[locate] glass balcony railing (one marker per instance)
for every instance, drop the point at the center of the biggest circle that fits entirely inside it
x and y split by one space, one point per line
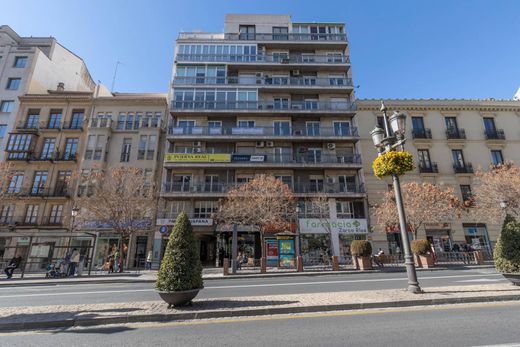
310 37
333 82
264 58
283 105
264 131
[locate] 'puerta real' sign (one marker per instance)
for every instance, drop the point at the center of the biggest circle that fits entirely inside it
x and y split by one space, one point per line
342 226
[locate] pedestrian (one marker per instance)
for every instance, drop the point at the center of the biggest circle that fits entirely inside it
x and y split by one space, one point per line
116 261
398 252
239 261
378 258
74 262
149 258
12 265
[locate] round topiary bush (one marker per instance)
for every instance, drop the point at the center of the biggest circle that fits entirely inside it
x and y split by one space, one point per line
506 254
420 247
361 248
181 268
393 163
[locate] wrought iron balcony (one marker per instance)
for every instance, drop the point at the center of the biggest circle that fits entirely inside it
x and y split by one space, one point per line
297 132
310 82
74 125
264 58
28 126
423 133
52 221
455 133
19 221
428 168
495 134
59 191
294 106
311 37
463 168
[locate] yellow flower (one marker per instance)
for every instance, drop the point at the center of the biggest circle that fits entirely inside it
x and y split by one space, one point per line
393 163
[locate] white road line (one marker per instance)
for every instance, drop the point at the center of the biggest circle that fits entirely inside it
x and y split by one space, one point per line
237 286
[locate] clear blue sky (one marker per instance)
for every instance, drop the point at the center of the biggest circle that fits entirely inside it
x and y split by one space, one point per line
399 48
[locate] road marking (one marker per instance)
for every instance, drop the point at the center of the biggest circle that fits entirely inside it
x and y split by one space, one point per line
482 280
277 317
238 286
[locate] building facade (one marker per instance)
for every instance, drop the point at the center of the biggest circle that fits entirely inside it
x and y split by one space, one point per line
33 65
267 96
450 140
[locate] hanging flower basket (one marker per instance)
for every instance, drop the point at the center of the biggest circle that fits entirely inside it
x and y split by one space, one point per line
393 163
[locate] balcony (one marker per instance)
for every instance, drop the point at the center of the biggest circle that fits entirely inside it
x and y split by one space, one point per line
455 134
262 160
422 133
495 134
267 82
28 126
27 192
264 106
74 125
19 221
465 168
428 168
254 59
297 133
264 37
18 155
52 221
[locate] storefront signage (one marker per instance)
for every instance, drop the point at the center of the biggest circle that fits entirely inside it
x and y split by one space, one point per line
248 157
341 226
196 158
194 221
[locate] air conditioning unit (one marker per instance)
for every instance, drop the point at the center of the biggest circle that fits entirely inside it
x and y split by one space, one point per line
197 144
197 150
330 180
295 72
269 144
260 144
259 75
331 146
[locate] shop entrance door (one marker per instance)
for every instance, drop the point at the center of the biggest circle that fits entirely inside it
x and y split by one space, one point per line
440 239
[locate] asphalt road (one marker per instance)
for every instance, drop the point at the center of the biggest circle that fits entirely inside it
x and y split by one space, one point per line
125 292
455 325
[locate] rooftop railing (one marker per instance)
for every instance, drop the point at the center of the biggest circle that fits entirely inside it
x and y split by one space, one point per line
264 131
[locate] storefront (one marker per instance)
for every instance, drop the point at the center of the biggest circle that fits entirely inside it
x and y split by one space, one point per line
440 239
477 236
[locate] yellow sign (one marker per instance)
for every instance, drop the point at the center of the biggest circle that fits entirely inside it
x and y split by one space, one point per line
196 158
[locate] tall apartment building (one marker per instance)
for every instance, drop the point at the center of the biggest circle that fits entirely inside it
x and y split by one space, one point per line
124 129
44 150
266 96
33 65
450 140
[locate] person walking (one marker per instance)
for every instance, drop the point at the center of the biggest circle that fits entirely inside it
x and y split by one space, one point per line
12 265
149 258
74 262
116 261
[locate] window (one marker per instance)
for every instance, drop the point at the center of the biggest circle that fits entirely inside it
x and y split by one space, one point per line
3 130
247 32
76 121
489 125
137 122
13 83
156 120
71 148
54 119
49 145
62 182
31 214
342 129
280 33
281 103
311 104
121 119
282 128
33 119
334 57
20 62
56 214
39 181
465 191
6 106
177 183
345 209
458 158
313 128
16 182
7 214
496 157
19 145
451 124
280 56
95 145
129 121
477 236
246 123
418 123
424 159
316 184
147 146
126 149
314 155
204 209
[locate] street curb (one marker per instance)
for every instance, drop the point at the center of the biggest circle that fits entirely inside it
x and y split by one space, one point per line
66 323
231 277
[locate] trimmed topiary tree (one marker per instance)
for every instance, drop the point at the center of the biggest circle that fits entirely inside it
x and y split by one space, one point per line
361 248
507 249
181 268
420 247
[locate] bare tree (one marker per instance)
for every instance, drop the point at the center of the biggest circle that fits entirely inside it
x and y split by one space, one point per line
264 203
423 203
497 192
120 198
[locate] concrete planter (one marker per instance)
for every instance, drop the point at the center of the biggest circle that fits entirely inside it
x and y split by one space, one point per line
365 263
178 298
426 261
513 278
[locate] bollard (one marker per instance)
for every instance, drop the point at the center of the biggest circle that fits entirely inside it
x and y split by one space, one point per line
299 263
263 265
225 266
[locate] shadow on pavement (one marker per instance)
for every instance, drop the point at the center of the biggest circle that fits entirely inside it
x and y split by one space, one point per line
103 330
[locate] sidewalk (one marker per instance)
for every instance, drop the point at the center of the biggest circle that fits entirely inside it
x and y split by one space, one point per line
39 317
208 274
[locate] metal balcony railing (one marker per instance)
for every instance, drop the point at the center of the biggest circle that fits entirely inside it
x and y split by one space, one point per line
309 159
265 37
423 133
20 221
495 134
463 168
52 221
28 126
266 81
264 131
428 168
60 191
455 133
265 105
73 125
264 58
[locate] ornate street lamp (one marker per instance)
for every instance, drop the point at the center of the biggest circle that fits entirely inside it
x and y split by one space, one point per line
385 142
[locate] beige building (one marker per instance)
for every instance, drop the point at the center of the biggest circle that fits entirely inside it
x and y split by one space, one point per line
44 150
124 129
32 65
266 96
450 140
